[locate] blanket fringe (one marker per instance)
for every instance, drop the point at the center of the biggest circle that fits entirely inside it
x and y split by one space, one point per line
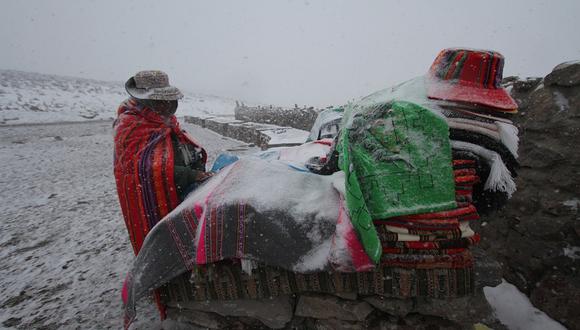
509 137
248 265
500 178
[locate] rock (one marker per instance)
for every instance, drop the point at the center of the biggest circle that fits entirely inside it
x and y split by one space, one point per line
565 74
16 300
488 271
392 306
248 323
243 131
259 134
202 319
12 322
274 313
298 323
330 307
558 295
526 84
384 324
465 311
577 230
540 155
509 80
426 322
347 295
333 324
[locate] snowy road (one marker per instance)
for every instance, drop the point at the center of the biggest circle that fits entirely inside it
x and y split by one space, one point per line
64 249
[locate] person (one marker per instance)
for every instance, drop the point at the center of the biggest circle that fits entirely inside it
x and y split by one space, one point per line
156 163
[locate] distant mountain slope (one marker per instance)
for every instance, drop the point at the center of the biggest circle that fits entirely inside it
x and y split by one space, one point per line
27 97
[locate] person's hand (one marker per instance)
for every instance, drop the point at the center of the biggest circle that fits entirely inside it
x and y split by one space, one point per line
202 176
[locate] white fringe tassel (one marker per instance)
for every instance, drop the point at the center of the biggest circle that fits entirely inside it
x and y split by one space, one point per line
248 265
500 178
509 136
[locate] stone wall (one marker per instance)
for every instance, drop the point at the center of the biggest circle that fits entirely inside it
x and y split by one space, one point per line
317 310
300 118
342 311
250 132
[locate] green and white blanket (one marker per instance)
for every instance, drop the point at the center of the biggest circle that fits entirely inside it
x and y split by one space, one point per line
397 161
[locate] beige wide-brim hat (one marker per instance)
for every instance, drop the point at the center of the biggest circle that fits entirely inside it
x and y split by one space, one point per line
152 85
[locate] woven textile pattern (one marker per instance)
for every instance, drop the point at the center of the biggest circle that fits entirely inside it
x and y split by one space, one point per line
143 166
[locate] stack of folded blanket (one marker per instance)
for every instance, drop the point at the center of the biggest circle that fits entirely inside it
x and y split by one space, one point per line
418 164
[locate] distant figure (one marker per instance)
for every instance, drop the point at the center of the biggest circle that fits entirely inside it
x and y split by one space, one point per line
156 163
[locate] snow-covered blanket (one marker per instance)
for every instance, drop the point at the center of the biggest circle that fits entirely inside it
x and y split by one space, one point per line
257 211
297 156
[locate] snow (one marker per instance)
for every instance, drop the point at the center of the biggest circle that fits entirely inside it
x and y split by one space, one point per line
316 259
572 252
540 86
223 120
299 193
561 101
515 311
572 204
297 155
248 265
413 90
285 136
39 98
338 183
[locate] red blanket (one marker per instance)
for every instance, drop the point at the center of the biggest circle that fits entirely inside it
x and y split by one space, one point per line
144 167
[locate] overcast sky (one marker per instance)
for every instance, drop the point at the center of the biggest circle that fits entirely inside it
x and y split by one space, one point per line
281 52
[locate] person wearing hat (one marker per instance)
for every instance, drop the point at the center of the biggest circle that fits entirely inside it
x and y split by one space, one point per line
155 162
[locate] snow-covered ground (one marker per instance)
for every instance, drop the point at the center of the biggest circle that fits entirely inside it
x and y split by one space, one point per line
64 249
27 97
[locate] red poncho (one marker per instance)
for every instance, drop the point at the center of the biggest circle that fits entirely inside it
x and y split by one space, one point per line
144 167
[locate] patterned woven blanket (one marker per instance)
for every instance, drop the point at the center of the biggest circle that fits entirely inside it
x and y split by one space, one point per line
144 170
